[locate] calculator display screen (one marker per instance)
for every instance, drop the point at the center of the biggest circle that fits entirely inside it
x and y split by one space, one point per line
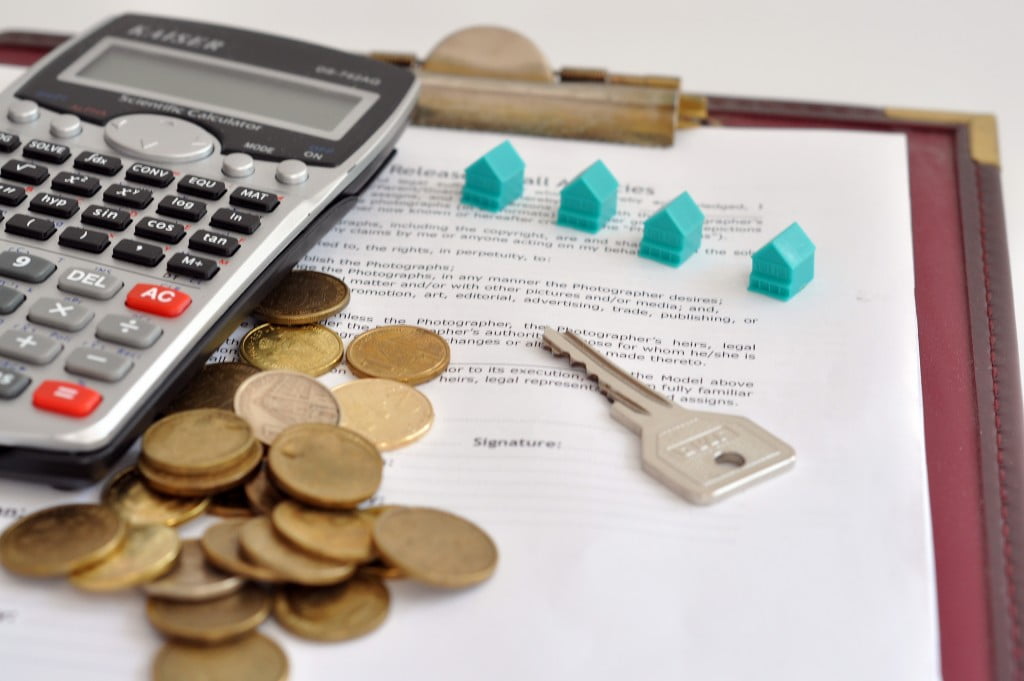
250 92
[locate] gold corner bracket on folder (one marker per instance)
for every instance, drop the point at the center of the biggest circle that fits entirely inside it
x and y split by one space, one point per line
490 78
981 129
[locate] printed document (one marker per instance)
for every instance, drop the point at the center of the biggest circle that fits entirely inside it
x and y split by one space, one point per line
824 572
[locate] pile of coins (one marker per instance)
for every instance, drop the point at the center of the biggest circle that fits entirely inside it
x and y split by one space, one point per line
298 464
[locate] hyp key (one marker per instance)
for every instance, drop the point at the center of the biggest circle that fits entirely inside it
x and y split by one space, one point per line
700 455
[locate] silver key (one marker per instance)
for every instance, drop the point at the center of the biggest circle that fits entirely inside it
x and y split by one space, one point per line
703 456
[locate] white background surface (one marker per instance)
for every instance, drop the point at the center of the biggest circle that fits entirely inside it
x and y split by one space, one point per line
936 54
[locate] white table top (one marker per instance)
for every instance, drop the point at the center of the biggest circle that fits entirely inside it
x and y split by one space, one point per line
944 54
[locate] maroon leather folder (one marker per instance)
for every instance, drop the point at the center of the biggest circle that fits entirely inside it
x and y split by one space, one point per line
970 374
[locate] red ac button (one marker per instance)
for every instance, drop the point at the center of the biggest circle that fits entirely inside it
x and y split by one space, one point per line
160 300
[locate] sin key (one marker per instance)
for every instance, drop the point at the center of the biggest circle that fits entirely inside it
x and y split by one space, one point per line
702 456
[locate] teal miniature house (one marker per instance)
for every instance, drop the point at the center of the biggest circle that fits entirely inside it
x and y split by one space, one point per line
495 179
673 234
590 199
784 265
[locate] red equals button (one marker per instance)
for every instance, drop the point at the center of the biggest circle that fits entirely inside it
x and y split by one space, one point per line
66 398
159 300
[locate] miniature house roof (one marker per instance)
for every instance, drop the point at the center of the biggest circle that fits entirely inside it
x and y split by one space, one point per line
791 247
596 182
501 164
682 213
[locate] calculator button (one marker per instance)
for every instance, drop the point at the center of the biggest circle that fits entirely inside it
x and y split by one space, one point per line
66 126
59 314
238 165
50 152
180 207
160 230
202 187
147 174
28 347
11 195
141 254
159 138
159 300
83 239
52 204
12 384
10 300
108 218
75 183
103 366
235 220
9 142
33 228
69 399
291 171
123 195
211 242
23 171
131 332
23 111
25 267
98 163
254 199
89 283
192 266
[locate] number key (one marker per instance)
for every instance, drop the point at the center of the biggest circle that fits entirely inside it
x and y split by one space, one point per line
25 267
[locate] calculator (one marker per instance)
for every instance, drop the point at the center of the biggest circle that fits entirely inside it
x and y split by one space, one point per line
157 178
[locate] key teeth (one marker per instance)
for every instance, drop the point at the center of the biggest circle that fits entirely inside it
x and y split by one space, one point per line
602 386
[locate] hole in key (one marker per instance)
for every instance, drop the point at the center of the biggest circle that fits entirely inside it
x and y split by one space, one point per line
734 459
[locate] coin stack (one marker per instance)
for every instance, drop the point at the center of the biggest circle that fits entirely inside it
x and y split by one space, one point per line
297 464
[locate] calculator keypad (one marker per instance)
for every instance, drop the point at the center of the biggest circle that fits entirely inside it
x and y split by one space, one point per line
101 257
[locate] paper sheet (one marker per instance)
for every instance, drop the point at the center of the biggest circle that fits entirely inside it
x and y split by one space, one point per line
824 572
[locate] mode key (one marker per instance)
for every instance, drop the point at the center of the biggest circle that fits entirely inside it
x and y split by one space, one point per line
254 199
147 174
46 151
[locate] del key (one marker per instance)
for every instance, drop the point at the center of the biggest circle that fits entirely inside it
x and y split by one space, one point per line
700 455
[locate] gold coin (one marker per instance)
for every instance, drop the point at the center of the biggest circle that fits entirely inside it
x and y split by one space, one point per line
195 485
148 551
261 493
435 547
251 658
378 569
213 387
220 619
221 545
197 442
312 349
333 613
407 354
387 413
193 578
128 494
273 400
341 536
304 297
262 545
325 466
231 503
61 539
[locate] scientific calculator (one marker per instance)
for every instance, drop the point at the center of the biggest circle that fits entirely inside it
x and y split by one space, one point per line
157 178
